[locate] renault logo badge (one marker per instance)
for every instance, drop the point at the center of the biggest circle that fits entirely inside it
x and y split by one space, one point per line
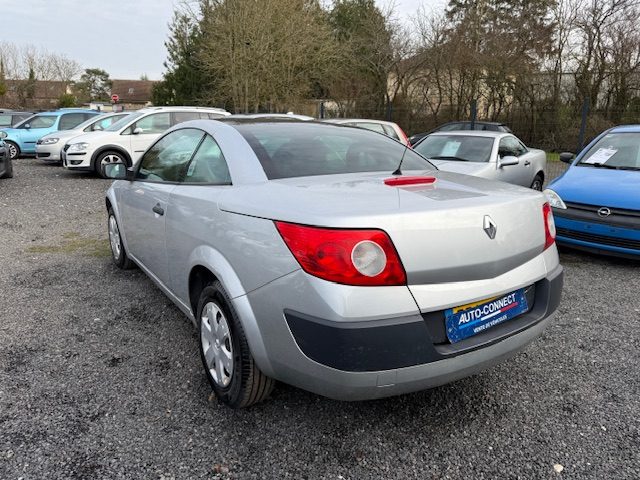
490 228
604 212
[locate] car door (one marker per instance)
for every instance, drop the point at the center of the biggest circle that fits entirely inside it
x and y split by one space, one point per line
510 146
195 219
145 204
145 131
38 127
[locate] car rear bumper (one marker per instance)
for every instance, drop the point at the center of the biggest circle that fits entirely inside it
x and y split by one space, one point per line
384 356
597 237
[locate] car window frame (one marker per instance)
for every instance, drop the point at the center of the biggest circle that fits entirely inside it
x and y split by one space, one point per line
210 184
163 182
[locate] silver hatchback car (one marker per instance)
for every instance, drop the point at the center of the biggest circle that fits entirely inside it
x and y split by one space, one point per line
333 258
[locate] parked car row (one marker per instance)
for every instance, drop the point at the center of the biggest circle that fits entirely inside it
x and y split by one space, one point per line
333 256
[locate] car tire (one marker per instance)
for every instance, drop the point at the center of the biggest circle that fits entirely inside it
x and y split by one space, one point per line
110 156
118 252
537 182
14 149
233 375
8 173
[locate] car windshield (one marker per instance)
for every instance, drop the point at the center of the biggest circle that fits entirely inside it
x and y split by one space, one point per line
288 150
123 122
463 148
39 121
620 151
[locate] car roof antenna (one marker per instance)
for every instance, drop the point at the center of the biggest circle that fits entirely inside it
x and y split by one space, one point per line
398 171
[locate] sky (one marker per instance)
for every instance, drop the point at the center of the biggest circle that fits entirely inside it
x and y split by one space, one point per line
124 37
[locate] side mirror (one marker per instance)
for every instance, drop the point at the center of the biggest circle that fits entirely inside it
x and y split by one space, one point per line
508 160
27 126
137 131
117 171
566 157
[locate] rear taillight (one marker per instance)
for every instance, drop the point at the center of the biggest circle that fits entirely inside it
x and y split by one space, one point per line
350 257
549 226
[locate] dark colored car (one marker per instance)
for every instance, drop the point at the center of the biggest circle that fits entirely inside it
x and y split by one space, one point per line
6 166
453 126
9 118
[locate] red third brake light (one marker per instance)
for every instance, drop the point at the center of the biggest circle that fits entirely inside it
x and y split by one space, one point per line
549 226
347 256
400 181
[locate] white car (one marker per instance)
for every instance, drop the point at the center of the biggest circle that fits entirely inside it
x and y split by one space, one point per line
49 147
389 129
493 155
127 139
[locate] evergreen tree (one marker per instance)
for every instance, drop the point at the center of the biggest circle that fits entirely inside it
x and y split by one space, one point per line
184 82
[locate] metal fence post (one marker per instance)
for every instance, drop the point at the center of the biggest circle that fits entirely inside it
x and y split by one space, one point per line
389 111
474 113
322 109
583 124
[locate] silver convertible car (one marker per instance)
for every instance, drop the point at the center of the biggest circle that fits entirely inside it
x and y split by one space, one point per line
333 258
493 155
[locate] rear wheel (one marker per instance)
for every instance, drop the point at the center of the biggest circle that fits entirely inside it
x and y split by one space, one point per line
118 253
106 158
229 366
537 182
14 150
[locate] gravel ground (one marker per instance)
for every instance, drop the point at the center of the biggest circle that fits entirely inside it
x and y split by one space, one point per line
100 377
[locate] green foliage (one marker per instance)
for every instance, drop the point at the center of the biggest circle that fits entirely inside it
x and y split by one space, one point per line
364 36
184 82
66 100
94 84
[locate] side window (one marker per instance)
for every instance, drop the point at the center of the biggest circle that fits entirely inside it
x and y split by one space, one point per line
71 120
208 165
522 148
167 159
376 127
390 132
103 124
5 120
179 117
505 148
511 146
155 123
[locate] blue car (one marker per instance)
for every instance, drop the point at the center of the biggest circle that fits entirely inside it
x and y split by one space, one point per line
22 138
596 203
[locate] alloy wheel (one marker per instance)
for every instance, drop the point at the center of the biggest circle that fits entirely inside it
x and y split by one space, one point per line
216 344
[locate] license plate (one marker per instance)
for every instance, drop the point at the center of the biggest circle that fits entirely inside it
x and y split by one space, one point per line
468 320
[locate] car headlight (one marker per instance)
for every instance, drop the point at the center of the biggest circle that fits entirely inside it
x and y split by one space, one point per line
3 135
78 147
49 141
554 199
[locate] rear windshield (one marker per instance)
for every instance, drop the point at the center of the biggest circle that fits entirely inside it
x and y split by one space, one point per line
620 151
289 149
463 148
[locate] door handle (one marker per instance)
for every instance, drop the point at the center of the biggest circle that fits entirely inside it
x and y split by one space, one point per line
527 163
158 209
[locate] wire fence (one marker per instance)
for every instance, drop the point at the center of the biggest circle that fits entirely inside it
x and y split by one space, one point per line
555 128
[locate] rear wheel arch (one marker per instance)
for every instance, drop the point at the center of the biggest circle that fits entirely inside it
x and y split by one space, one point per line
199 277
